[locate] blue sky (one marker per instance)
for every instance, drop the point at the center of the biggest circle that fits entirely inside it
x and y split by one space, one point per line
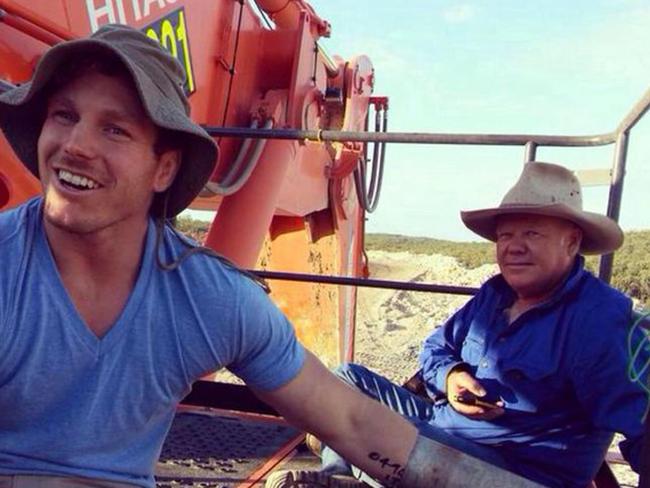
499 66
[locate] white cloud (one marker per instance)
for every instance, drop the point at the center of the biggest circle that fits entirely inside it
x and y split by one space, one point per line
457 14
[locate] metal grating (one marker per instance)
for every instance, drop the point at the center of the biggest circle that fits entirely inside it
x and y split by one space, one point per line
217 451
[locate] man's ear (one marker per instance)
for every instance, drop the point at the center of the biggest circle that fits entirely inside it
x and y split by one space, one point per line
575 240
168 164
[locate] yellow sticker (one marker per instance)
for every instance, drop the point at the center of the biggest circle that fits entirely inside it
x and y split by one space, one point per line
171 33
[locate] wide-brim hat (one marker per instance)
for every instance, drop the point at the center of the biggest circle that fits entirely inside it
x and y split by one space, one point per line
554 191
158 79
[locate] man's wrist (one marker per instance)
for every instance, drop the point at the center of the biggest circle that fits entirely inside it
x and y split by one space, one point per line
460 366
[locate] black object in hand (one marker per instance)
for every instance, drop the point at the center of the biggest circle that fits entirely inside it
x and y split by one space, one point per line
468 398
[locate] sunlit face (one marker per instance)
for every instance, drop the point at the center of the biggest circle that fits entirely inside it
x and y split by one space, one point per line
535 253
97 165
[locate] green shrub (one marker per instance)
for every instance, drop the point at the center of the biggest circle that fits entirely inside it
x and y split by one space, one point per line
469 254
630 273
196 229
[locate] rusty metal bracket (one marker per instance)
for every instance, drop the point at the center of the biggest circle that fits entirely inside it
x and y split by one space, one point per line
347 161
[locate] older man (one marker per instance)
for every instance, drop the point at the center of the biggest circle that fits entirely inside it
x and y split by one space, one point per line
530 373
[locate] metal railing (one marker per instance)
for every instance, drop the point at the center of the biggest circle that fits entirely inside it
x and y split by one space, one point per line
530 142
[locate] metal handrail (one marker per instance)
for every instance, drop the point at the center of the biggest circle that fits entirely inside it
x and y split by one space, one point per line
364 282
635 114
33 24
627 123
414 137
530 142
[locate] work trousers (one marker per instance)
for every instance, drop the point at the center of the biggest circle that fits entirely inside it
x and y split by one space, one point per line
416 409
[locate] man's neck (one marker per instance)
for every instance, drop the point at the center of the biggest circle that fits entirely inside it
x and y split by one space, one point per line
521 306
525 302
98 270
104 253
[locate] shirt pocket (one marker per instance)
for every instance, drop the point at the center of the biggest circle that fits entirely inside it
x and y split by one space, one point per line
472 350
533 386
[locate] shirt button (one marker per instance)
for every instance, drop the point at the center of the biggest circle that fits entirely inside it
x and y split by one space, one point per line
484 363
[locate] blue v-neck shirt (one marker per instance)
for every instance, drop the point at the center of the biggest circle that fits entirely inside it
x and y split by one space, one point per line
75 404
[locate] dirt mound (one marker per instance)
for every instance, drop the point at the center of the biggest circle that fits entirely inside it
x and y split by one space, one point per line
391 324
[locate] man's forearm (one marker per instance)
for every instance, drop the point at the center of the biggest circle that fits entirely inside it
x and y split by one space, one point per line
382 442
363 431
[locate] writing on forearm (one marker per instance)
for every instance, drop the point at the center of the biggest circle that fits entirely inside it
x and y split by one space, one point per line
393 471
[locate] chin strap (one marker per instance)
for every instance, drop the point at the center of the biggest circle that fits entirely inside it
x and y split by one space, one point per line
193 248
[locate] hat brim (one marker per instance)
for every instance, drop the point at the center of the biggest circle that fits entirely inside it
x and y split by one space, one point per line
21 117
601 234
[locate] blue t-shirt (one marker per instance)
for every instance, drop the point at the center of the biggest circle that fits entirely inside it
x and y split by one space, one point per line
560 368
74 404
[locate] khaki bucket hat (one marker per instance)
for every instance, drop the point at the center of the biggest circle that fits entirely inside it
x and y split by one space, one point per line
551 190
158 79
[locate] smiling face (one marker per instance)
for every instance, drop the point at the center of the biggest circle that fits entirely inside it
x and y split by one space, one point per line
535 253
96 156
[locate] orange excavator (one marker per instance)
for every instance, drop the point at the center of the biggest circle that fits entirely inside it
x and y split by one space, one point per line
302 141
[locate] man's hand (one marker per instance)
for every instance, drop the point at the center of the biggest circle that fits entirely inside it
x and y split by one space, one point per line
460 381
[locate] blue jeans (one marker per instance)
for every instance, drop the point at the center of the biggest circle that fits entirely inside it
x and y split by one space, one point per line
419 411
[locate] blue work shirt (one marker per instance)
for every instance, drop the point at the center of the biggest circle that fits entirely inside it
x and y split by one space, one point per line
560 369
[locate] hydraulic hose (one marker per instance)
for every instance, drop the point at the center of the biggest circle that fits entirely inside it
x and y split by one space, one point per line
243 166
368 193
6 86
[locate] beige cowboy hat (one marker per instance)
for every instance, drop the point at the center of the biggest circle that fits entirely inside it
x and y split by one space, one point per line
158 79
551 190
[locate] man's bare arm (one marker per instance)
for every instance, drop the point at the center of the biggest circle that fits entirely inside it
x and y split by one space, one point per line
367 434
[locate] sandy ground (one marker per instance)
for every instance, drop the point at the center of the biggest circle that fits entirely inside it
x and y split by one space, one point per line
391 325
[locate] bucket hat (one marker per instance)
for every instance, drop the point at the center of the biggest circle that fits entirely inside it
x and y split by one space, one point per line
158 79
551 190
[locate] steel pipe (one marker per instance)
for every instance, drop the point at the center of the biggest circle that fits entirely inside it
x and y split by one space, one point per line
615 198
287 14
414 137
530 152
365 282
635 114
27 21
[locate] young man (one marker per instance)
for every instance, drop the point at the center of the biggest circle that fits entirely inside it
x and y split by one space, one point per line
98 343
107 316
542 347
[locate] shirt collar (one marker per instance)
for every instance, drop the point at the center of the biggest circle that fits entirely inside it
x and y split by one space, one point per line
507 296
